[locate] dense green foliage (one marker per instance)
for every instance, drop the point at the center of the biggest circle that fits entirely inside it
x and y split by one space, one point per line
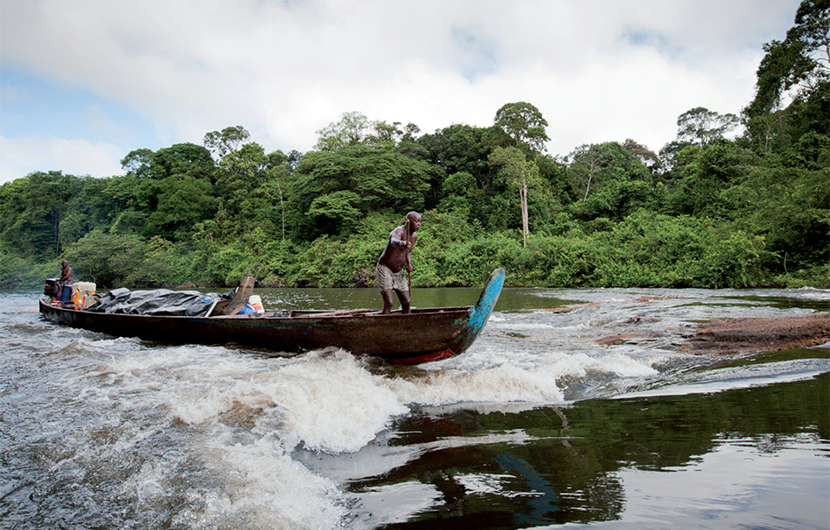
707 212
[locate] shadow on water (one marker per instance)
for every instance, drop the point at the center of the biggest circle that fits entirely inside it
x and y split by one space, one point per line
568 464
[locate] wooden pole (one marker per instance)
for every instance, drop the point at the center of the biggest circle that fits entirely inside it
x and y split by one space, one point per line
408 274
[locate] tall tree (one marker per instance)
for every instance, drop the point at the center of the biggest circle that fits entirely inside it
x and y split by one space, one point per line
352 129
797 68
520 173
227 141
648 157
137 162
525 124
703 126
279 167
801 62
171 175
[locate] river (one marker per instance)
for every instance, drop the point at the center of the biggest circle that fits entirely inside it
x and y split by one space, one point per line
536 426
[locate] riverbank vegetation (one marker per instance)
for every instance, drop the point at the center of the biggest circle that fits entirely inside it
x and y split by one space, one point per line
736 200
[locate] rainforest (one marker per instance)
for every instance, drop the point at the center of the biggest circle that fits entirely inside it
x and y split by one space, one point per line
736 200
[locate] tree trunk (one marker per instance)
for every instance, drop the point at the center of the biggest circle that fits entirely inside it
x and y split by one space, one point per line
525 224
282 207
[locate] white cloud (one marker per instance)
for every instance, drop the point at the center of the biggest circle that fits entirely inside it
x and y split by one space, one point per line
74 157
597 70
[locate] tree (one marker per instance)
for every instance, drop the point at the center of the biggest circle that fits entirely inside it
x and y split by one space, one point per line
811 35
459 148
703 126
800 62
797 68
648 157
520 173
182 159
710 170
459 191
34 209
524 124
386 135
352 129
615 180
670 157
588 162
240 172
376 180
137 162
182 202
279 167
107 258
169 175
227 141
338 206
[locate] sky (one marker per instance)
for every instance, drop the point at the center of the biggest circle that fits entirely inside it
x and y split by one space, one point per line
85 82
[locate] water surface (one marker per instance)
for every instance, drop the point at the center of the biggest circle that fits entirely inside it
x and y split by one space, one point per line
536 425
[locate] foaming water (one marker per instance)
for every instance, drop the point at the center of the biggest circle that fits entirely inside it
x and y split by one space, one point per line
110 432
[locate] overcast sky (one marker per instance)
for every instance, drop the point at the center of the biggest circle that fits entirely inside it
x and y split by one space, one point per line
84 82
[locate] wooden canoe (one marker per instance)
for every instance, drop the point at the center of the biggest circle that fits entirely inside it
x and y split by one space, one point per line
427 334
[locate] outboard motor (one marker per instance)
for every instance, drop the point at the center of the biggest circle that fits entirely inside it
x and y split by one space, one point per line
51 288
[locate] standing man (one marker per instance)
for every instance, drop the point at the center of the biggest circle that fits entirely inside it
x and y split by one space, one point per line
396 256
65 282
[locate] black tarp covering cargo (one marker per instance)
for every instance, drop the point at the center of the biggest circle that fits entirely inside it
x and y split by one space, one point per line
159 302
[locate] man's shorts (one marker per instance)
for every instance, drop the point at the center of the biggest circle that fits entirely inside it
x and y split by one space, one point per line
390 280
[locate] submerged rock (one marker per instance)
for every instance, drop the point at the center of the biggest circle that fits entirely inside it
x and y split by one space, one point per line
743 335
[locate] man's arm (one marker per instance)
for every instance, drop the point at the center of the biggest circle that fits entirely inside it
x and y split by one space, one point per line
397 238
409 250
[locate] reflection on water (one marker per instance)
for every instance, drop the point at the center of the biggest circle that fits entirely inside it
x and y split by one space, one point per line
671 460
536 425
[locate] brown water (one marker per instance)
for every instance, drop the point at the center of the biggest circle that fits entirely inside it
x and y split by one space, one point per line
535 426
